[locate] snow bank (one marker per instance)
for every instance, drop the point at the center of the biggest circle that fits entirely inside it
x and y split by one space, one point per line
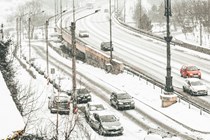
10 119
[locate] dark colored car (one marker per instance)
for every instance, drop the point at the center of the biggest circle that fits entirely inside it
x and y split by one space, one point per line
59 103
190 71
105 46
106 123
83 95
122 100
83 33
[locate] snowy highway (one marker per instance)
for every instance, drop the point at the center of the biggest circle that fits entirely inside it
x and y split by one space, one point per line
140 120
143 53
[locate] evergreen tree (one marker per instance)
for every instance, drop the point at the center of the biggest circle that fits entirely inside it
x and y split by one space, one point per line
145 23
142 20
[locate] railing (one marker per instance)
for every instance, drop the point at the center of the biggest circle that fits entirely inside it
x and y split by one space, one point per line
173 42
203 107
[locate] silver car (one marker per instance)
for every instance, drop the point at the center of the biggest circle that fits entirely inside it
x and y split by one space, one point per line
195 86
106 123
92 107
59 103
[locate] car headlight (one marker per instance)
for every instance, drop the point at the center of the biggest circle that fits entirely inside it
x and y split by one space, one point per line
105 127
132 102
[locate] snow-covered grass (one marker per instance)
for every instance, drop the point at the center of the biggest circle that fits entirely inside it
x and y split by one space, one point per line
10 118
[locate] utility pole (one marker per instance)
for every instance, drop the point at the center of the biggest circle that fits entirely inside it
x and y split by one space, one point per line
20 36
140 9
46 38
124 11
29 38
110 29
168 38
55 10
61 19
201 35
73 42
17 29
2 31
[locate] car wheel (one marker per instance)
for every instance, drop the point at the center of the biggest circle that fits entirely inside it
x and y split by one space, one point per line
184 89
100 131
117 107
191 93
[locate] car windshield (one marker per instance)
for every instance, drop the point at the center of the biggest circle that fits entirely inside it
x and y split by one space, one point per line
192 68
123 96
82 91
96 107
108 118
61 99
196 83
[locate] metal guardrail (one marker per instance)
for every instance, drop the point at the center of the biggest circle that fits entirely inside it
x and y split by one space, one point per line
161 85
173 42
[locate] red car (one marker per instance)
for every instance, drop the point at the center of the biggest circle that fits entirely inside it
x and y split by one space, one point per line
190 71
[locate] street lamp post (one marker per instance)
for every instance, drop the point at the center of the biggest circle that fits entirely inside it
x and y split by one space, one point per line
110 29
29 34
29 39
2 31
20 31
46 39
61 26
73 28
168 38
17 39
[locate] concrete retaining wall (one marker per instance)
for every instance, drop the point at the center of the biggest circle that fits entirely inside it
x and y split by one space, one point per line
95 57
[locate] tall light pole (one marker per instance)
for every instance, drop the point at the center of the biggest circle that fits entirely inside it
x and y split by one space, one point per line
29 39
29 34
168 38
2 31
110 29
17 29
61 18
46 40
73 39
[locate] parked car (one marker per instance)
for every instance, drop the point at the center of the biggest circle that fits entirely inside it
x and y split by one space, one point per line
106 123
92 107
195 86
83 33
122 100
105 46
190 71
59 103
63 84
83 95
